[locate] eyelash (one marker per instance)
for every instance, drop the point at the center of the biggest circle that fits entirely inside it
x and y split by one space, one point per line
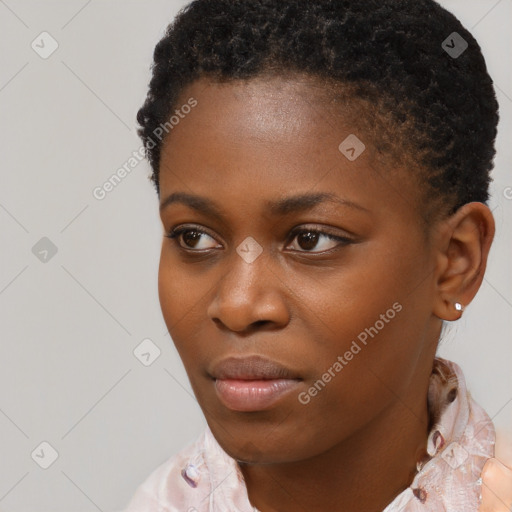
176 232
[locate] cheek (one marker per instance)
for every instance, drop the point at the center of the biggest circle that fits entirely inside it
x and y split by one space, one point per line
180 287
182 301
342 396
340 303
368 318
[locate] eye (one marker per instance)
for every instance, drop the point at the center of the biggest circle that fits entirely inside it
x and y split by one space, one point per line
308 239
191 236
194 239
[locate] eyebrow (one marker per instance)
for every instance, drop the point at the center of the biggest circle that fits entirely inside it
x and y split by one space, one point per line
279 207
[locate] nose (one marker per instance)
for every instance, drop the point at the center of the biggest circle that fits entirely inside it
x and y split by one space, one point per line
249 295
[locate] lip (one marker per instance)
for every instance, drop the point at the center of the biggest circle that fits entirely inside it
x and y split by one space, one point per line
253 367
252 383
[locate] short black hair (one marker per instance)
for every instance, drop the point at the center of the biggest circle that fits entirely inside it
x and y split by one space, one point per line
437 107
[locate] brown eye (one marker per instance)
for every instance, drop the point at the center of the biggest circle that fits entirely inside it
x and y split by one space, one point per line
308 239
192 238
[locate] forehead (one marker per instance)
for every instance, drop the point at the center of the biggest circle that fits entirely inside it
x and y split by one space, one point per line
254 140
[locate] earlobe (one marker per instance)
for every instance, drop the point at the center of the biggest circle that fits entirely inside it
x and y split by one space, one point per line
462 252
449 311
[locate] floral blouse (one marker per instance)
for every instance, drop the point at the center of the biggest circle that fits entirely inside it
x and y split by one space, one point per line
204 478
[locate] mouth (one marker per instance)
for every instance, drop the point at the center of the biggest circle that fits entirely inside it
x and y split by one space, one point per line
252 383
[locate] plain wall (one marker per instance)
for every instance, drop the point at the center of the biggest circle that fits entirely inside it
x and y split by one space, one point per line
70 323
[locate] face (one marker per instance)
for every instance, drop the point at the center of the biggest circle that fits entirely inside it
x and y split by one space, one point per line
297 288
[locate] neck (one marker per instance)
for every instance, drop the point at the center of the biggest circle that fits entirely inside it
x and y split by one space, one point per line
370 468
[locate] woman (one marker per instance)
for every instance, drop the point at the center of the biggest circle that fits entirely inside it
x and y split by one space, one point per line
322 169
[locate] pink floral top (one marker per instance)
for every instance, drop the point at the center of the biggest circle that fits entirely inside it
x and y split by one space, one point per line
204 478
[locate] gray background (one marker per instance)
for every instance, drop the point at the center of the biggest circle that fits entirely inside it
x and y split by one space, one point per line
70 323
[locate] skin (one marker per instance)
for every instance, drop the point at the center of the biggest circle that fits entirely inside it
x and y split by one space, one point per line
246 143
496 487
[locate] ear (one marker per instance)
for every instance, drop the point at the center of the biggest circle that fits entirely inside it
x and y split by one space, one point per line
463 245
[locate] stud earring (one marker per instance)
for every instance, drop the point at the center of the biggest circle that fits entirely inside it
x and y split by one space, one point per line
459 306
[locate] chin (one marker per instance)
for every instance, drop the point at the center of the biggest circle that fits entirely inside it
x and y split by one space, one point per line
250 454
256 449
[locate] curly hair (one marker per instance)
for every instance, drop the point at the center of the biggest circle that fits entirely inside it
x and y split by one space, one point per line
434 111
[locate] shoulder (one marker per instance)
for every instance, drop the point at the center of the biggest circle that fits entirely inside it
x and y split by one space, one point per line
169 487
